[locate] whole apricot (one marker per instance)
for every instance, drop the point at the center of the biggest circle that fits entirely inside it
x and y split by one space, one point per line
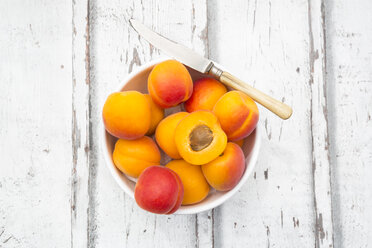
239 142
159 190
205 94
195 186
237 113
164 134
127 115
169 83
199 137
225 171
157 114
133 156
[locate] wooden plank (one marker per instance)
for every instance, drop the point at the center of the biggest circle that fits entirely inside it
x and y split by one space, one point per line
266 43
115 220
349 81
35 126
80 124
319 126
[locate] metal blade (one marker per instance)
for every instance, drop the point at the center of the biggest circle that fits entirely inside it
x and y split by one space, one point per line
183 54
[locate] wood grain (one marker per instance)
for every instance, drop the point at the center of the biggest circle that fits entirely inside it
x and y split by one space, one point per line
116 50
349 77
311 186
35 123
270 51
321 170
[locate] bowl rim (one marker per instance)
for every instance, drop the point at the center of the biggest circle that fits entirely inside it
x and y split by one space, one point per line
191 209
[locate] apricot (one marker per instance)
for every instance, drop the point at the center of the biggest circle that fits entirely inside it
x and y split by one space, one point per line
199 137
195 187
133 156
169 83
239 142
205 94
159 190
225 172
164 134
157 114
127 115
237 113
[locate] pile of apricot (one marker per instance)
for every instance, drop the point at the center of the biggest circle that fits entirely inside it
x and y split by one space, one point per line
204 140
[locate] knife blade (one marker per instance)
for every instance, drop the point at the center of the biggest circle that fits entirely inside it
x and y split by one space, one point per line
204 65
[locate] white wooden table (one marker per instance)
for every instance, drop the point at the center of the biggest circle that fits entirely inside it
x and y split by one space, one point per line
312 185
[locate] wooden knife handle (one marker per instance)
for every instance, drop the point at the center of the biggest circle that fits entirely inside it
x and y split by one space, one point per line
280 109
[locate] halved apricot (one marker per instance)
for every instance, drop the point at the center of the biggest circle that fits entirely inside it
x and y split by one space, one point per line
199 137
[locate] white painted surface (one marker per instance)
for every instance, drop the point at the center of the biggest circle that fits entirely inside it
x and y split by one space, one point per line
59 59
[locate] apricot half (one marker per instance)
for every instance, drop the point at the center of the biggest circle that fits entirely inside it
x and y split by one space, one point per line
157 114
169 83
159 190
127 115
237 113
199 137
164 134
205 94
133 156
225 171
196 188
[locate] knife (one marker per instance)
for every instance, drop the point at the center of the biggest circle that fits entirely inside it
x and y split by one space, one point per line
206 66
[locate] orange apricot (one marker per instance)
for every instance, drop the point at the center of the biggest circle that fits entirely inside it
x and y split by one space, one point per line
164 134
239 142
133 156
199 137
127 115
195 186
169 83
157 114
225 171
237 113
205 94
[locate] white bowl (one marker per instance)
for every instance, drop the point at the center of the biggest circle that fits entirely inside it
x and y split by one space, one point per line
137 80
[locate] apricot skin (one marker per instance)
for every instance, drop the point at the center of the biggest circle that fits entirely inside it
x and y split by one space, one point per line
225 172
169 84
157 114
184 131
195 185
164 134
158 190
127 115
205 94
237 114
133 156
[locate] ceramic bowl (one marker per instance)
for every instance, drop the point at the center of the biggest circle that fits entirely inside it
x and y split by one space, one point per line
137 80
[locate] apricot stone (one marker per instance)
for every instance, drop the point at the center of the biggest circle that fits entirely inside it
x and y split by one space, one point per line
225 171
127 115
237 113
159 190
195 186
199 137
133 156
205 94
157 114
164 134
169 83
